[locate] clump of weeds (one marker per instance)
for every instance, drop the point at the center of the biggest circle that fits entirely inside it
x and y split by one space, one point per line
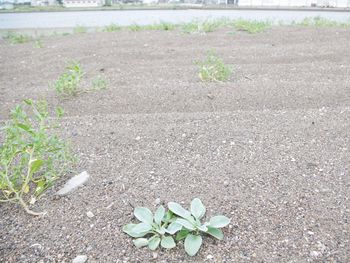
79 29
213 68
251 27
112 28
68 84
16 38
31 156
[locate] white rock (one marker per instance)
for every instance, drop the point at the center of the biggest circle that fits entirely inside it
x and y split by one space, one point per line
210 257
90 214
73 183
315 254
80 259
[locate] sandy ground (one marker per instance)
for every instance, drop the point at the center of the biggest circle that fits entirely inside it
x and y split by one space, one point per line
278 132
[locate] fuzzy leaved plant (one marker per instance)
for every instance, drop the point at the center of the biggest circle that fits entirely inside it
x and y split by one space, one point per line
191 226
152 230
159 229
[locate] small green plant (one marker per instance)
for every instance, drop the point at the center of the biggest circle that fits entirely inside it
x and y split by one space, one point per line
79 29
68 84
192 226
111 28
213 68
135 27
202 26
163 26
318 21
38 43
251 27
31 158
15 38
160 228
99 83
152 227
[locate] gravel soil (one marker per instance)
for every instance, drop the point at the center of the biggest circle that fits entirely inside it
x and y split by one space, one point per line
269 148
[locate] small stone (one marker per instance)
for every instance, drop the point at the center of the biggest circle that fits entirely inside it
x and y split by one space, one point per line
73 183
315 254
226 183
157 201
90 214
138 138
155 255
80 259
210 257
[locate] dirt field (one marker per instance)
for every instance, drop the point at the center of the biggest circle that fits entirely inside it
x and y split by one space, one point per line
269 148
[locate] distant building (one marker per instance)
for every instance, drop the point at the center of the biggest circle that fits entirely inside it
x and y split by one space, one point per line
6 5
42 2
83 3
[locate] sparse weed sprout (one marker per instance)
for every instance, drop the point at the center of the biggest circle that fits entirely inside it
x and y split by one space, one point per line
79 29
158 229
152 227
251 27
99 83
202 27
68 83
38 43
213 69
31 158
318 21
111 28
15 38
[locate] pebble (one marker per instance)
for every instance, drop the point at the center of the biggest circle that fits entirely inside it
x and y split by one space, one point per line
80 259
157 201
315 254
226 183
74 183
138 138
210 257
90 214
155 254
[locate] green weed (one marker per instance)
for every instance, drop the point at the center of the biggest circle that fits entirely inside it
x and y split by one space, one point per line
38 43
111 28
213 68
159 229
99 83
79 29
31 158
251 27
15 38
202 26
68 84
321 22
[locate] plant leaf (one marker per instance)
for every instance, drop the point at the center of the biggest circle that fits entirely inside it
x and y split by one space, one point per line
197 208
35 165
142 227
182 234
168 242
144 215
185 223
159 214
153 242
203 228
192 244
173 228
140 242
215 232
128 229
219 221
179 210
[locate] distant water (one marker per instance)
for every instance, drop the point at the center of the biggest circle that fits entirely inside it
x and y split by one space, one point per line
143 17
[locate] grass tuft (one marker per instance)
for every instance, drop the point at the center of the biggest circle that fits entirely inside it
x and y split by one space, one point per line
213 68
251 26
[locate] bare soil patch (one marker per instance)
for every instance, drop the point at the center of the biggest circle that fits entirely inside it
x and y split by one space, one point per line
277 132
